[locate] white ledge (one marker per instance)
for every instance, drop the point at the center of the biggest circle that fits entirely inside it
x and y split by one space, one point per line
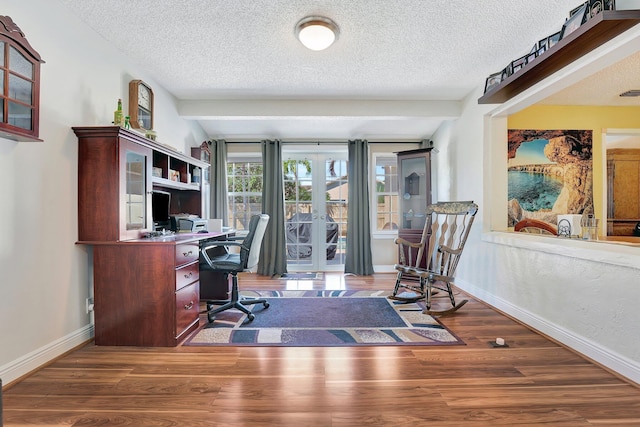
614 253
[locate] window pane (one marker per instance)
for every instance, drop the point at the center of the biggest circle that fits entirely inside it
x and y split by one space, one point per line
19 64
2 82
244 180
2 46
20 89
386 193
20 116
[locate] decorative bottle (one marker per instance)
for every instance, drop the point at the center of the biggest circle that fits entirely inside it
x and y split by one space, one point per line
118 117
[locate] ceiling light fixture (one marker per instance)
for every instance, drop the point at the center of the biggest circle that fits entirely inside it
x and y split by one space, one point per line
316 32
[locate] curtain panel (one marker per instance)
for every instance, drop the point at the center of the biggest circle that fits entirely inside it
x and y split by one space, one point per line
273 258
218 180
358 259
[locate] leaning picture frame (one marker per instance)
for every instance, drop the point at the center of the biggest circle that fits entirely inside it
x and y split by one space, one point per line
576 9
507 71
517 64
553 39
543 44
595 7
492 81
574 22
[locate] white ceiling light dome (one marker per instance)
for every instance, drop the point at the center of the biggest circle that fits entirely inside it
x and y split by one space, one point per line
317 32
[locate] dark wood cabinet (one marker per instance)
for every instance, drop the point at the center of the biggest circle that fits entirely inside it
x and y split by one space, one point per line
117 171
414 181
146 290
145 294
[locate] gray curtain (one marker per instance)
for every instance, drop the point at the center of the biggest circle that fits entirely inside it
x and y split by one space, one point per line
273 257
358 258
218 180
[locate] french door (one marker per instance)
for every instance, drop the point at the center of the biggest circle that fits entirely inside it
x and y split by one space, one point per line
315 208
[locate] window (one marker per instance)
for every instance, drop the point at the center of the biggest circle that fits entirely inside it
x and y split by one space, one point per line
244 187
385 193
20 91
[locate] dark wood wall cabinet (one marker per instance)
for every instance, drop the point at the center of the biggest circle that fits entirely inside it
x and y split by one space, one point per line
598 30
20 94
414 180
146 290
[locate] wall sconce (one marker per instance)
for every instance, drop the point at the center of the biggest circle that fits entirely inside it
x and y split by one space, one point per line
316 32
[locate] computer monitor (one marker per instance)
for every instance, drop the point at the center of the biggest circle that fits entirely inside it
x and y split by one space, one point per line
160 209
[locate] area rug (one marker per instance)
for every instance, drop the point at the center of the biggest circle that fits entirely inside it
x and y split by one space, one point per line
325 318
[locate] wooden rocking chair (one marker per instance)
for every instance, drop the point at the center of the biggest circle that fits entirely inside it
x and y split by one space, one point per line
428 266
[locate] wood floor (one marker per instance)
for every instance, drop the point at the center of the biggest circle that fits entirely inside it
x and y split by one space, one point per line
533 382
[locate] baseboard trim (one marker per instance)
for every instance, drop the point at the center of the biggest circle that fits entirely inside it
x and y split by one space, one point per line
621 365
383 269
18 368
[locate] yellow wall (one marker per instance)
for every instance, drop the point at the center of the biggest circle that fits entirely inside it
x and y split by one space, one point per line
580 117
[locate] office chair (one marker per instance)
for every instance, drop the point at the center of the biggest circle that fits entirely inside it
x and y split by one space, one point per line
233 263
429 266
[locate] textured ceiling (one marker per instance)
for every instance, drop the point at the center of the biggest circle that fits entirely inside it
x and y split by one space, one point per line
388 50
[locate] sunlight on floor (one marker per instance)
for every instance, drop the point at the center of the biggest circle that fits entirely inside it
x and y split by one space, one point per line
332 281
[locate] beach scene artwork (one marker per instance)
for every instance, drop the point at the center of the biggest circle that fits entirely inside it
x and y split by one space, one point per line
549 173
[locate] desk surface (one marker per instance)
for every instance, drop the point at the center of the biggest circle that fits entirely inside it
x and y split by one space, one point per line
173 239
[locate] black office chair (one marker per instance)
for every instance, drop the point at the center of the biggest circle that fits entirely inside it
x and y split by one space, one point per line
233 263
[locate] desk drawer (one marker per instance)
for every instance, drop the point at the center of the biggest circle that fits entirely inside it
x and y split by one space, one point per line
186 253
187 307
187 274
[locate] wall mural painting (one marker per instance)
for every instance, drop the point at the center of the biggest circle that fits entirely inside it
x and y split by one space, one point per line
550 172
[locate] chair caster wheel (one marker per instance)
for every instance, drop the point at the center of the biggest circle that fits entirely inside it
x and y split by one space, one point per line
265 304
211 317
251 317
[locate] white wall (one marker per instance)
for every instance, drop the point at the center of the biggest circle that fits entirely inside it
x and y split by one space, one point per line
584 294
44 275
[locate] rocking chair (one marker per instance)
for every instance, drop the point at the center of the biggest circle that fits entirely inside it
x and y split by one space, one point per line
429 266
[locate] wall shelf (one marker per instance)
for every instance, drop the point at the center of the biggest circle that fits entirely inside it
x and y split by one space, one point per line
598 30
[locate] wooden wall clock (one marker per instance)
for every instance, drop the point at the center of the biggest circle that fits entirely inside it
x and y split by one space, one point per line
140 105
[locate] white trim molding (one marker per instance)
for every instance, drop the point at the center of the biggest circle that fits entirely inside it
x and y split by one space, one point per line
606 357
32 361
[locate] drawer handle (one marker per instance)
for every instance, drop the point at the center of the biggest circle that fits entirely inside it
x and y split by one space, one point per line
186 276
188 306
187 253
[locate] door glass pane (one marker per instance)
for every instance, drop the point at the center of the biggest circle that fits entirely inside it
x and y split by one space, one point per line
20 89
135 203
414 192
298 203
336 197
19 64
20 116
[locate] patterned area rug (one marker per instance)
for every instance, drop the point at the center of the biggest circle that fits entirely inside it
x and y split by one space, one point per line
325 318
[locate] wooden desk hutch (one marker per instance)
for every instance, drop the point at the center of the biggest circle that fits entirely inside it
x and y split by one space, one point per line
146 290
